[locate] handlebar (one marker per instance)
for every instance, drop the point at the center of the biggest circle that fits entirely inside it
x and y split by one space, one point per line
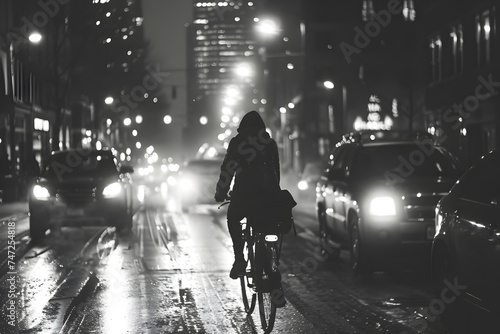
228 200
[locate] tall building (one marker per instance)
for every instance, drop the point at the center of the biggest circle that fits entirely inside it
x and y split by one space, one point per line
118 62
222 69
462 45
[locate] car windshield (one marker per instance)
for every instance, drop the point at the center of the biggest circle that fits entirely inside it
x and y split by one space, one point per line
403 161
75 164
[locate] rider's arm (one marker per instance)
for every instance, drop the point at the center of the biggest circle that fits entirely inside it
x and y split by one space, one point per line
276 159
228 168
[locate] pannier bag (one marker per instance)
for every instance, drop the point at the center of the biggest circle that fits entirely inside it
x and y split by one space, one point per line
272 213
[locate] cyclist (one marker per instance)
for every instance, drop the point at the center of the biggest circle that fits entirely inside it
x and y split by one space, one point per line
252 159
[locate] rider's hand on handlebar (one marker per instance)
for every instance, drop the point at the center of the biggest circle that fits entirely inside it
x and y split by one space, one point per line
220 197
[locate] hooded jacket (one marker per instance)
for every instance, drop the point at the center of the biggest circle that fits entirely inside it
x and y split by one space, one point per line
252 159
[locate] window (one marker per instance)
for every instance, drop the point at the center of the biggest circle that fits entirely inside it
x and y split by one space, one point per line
482 184
436 50
485 28
409 12
457 47
368 12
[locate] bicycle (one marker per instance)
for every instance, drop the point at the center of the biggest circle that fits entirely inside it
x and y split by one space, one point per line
262 279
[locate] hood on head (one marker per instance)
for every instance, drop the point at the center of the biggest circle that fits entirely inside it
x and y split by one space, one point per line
251 122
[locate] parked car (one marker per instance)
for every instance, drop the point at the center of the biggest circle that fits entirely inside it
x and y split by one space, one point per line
197 182
378 193
81 187
466 247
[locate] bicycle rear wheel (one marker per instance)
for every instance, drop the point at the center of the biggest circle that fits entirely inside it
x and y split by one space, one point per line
248 294
247 282
267 311
267 308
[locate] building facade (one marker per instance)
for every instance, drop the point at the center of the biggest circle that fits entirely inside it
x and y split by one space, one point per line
222 70
462 45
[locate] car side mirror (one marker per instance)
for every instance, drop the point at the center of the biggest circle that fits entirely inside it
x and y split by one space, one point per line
126 169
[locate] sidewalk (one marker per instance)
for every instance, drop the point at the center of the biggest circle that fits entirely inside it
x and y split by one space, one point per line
13 209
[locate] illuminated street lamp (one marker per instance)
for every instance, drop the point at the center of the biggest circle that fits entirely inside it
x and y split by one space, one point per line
167 119
127 121
138 119
267 27
328 84
203 120
244 70
35 37
109 100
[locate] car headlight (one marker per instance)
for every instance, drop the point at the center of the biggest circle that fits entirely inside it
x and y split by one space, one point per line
186 184
438 220
40 192
303 185
112 190
382 206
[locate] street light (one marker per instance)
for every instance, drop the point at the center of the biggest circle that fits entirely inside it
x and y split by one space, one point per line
267 27
35 37
109 100
328 84
138 119
167 119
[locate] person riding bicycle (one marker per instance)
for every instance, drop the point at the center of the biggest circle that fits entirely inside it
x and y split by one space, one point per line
252 159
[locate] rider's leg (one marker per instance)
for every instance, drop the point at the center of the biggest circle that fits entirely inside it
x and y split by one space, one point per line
234 216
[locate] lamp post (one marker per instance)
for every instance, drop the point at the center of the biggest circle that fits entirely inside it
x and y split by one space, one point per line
284 70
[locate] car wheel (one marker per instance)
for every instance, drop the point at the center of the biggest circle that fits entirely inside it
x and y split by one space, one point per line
37 230
326 251
358 254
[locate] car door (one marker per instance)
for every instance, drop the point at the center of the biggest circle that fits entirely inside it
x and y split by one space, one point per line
336 189
477 231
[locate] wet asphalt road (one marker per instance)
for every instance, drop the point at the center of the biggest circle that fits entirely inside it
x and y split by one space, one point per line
170 275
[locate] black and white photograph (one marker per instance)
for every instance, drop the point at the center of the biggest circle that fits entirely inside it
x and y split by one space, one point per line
247 167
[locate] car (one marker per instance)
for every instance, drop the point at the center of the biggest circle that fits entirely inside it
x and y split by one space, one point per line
377 196
79 187
196 185
466 246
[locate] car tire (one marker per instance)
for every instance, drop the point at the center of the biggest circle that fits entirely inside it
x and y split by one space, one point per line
37 230
326 252
359 263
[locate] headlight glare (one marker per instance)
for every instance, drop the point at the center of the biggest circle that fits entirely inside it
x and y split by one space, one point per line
303 185
382 206
40 192
112 190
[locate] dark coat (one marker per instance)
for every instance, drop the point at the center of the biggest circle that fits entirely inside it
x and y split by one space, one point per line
252 158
